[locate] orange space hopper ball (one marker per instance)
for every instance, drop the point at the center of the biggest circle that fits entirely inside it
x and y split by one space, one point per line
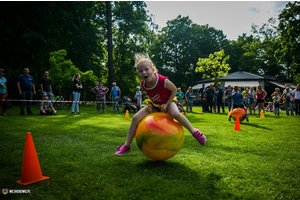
159 136
240 112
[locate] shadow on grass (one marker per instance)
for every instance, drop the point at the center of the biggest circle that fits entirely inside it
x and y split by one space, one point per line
256 126
176 180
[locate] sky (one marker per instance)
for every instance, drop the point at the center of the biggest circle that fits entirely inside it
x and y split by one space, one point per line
232 17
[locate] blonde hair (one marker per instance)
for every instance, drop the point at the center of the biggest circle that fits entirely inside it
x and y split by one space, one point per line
144 58
258 86
75 76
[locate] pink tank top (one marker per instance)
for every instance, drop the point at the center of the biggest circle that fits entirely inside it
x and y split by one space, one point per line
158 93
261 95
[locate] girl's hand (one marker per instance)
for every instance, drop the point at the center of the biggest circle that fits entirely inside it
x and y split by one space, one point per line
149 108
164 107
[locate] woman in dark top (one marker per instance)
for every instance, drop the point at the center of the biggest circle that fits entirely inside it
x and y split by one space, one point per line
76 93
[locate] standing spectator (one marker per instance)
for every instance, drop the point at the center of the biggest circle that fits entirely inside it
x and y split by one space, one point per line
251 95
200 93
179 95
3 90
189 99
115 93
285 90
220 102
276 100
76 93
46 86
100 92
215 96
287 97
209 97
47 107
261 94
297 99
26 88
227 94
138 96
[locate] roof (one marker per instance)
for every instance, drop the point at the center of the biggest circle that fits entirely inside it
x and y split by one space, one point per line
241 75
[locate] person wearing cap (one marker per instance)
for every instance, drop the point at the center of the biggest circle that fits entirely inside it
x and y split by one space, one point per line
3 90
138 96
26 89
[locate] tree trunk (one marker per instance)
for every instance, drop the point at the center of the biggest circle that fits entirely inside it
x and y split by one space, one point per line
110 47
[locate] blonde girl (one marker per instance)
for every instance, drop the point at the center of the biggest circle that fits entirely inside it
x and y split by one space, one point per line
261 94
161 91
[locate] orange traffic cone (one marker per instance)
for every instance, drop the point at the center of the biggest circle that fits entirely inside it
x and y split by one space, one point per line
127 114
31 171
237 124
262 115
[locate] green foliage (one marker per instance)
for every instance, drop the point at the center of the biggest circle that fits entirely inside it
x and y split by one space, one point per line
179 44
289 26
63 70
214 67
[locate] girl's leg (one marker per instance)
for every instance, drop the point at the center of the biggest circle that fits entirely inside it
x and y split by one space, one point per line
173 111
136 119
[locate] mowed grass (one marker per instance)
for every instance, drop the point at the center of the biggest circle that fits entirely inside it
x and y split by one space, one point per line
262 161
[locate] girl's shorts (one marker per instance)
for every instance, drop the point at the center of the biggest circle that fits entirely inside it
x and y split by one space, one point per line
238 106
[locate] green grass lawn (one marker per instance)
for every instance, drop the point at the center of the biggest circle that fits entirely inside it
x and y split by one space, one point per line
262 161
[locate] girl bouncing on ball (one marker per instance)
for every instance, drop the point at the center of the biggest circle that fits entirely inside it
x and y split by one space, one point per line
237 99
162 92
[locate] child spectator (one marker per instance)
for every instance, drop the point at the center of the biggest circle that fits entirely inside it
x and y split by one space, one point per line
276 100
47 107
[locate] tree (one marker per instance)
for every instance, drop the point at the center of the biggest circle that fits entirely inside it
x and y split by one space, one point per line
214 66
181 43
110 46
289 26
63 70
130 34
